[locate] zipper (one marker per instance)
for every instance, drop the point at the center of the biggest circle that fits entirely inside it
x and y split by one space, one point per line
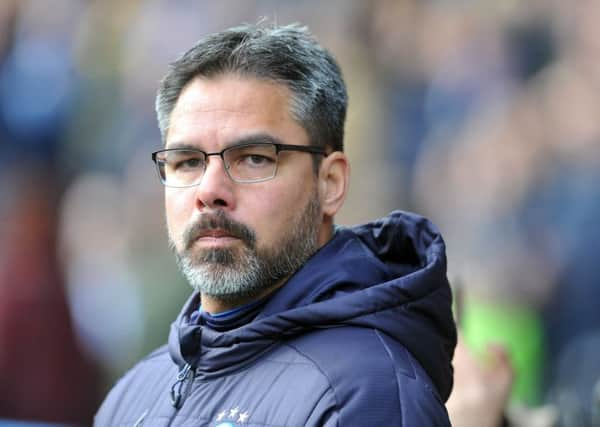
182 386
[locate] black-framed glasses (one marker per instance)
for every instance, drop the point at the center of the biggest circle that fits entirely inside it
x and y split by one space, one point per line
245 163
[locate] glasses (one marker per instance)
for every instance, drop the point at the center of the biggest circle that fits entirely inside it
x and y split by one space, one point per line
245 163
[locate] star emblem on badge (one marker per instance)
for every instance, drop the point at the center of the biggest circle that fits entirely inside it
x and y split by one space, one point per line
243 417
228 418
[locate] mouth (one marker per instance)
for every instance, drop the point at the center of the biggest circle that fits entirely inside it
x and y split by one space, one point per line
215 237
214 231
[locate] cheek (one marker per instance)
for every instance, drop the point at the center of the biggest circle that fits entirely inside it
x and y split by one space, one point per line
178 210
279 209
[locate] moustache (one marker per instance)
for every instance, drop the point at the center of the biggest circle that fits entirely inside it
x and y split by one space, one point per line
218 221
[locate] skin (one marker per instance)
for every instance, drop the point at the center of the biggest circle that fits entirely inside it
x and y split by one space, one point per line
481 387
212 114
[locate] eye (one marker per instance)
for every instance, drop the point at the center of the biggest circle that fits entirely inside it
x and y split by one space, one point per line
191 163
183 161
255 160
255 156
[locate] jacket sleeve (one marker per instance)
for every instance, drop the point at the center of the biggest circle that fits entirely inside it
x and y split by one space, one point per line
419 402
418 409
325 413
373 380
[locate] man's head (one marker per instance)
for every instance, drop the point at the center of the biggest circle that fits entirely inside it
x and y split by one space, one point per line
244 219
287 55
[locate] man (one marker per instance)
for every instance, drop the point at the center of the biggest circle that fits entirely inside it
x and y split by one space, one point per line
294 322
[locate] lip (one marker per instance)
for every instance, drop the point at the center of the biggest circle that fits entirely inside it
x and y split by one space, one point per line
215 238
215 234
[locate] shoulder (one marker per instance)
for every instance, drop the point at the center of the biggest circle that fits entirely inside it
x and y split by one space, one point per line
374 379
143 384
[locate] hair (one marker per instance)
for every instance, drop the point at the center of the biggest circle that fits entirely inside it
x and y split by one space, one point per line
287 55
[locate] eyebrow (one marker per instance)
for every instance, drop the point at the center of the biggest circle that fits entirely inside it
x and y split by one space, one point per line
250 139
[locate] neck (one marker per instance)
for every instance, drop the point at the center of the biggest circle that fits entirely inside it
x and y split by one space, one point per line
325 231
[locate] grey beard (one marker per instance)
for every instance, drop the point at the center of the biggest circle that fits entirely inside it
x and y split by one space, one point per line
232 275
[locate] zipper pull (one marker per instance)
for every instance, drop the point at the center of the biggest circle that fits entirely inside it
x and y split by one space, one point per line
178 392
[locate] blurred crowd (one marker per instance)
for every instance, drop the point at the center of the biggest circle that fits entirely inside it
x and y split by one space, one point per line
482 115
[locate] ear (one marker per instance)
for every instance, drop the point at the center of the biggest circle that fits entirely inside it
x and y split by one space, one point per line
334 176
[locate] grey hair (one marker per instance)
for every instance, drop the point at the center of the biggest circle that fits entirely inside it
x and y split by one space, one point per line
287 55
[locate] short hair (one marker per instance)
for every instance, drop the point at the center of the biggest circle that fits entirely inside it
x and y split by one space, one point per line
288 55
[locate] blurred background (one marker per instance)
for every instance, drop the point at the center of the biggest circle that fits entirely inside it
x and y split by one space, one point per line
481 115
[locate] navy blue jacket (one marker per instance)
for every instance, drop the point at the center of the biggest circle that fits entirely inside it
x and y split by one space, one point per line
361 335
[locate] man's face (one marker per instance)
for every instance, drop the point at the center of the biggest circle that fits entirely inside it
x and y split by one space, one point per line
235 241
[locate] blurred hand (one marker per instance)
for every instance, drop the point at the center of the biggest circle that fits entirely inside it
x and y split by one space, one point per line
481 387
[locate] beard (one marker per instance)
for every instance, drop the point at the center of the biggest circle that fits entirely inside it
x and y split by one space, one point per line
234 275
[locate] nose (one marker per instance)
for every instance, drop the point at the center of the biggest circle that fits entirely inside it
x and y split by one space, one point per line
216 188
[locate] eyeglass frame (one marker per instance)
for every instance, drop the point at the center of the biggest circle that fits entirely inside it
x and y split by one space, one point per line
278 148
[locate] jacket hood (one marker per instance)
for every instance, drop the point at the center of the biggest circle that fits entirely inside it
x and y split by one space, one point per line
389 275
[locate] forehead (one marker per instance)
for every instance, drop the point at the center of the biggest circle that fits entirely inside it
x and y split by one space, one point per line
222 106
